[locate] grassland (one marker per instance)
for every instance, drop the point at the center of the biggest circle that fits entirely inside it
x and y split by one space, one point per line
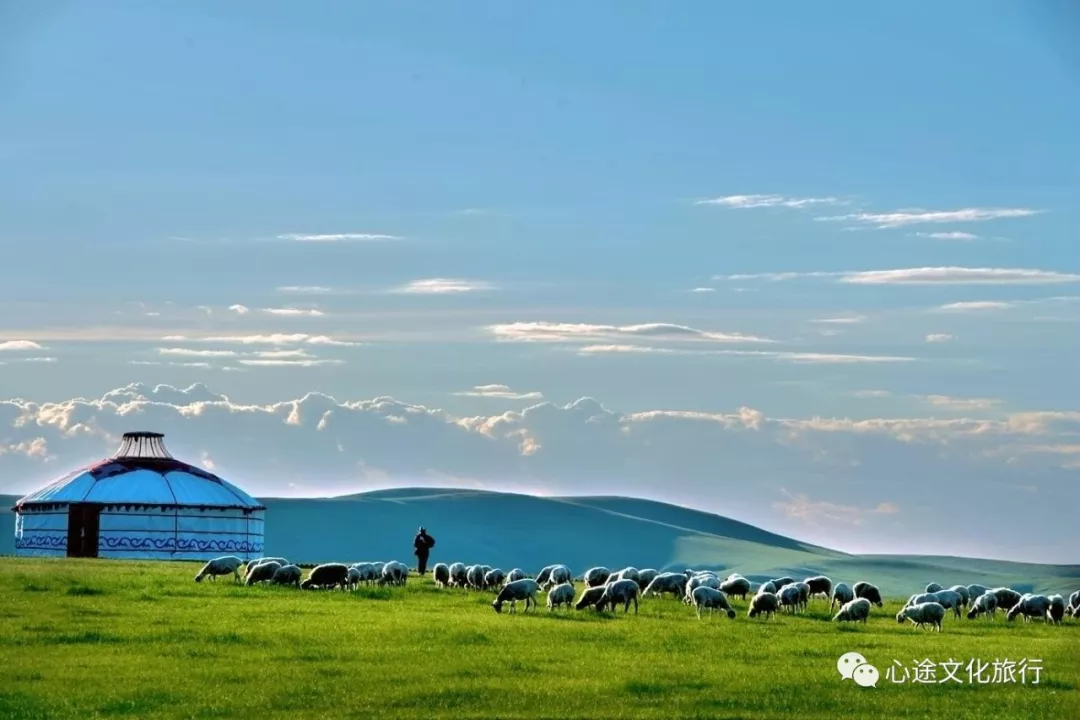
99 638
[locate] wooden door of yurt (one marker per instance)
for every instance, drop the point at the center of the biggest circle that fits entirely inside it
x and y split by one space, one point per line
84 521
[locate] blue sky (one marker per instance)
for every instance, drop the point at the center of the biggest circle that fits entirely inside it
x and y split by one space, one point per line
476 194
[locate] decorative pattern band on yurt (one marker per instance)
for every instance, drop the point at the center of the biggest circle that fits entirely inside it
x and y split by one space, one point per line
140 503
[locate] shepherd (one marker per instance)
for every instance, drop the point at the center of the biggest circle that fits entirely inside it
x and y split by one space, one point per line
422 545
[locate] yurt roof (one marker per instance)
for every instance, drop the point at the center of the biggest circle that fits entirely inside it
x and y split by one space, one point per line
142 472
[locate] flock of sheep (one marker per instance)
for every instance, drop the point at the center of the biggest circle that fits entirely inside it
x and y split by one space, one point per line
704 590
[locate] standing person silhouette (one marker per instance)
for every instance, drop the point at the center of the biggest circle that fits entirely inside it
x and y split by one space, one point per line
422 545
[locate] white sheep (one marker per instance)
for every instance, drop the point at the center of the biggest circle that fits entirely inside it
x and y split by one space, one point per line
544 574
819 585
674 583
378 568
962 591
841 595
710 581
857 609
515 574
394 573
252 563
984 604
524 589
736 587
441 574
262 572
929 613
868 591
949 600
919 598
933 587
712 600
621 591
1074 601
646 576
353 579
780 582
1030 606
226 565
559 596
789 598
287 575
804 594
459 575
589 597
767 587
1056 611
975 591
594 577
475 577
366 571
627 573
560 574
494 578
1006 598
766 603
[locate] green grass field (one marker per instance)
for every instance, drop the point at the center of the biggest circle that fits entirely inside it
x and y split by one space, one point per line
99 638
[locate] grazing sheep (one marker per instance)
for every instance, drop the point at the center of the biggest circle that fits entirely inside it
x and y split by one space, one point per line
589 597
378 568
252 563
857 609
627 573
1030 606
767 587
933 588
1074 600
262 572
975 591
441 573
712 600
560 574
646 576
287 575
1056 610
1006 598
329 575
779 583
841 595
736 587
819 585
394 573
804 594
494 578
594 577
544 574
624 591
674 583
984 604
475 577
559 596
515 574
962 591
766 603
929 613
789 598
949 600
868 591
226 565
459 575
1076 611
710 581
367 572
524 589
354 578
920 598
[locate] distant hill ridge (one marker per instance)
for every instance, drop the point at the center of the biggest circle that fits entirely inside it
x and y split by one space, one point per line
514 530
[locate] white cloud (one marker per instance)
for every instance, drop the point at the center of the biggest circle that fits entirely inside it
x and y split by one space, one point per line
552 332
940 338
338 237
442 286
777 276
957 404
872 394
502 392
199 365
792 357
976 306
903 218
702 290
815 512
9 360
191 352
271 362
258 339
294 312
959 276
283 354
327 340
954 235
847 320
760 201
19 345
240 309
305 289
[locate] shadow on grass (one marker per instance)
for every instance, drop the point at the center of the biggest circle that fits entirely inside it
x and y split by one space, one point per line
84 591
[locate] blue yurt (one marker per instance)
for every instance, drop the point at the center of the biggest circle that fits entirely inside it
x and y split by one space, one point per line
140 503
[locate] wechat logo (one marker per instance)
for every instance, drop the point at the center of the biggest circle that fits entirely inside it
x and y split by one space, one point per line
853 666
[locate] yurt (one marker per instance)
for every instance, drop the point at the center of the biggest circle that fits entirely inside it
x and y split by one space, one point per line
140 503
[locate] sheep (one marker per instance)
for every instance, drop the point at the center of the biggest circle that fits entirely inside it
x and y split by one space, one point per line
857 609
378 568
711 599
624 591
1074 600
933 588
1006 598
929 613
225 565
589 597
366 571
329 575
524 589
252 563
287 575
804 594
1030 606
919 598
559 596
962 591
354 578
736 586
779 583
764 602
819 585
975 591
597 576
984 604
515 574
841 595
1056 611
560 574
949 600
646 576
674 583
1076 612
544 574
868 591
475 577
627 573
441 573
789 598
710 581
394 573
494 578
261 572
459 575
768 587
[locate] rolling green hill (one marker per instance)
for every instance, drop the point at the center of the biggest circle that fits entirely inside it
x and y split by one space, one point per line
509 530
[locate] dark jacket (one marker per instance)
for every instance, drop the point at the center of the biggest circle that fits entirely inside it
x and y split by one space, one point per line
422 544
